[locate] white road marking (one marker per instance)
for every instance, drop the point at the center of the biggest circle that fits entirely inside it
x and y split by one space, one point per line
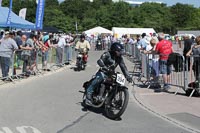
21 129
5 130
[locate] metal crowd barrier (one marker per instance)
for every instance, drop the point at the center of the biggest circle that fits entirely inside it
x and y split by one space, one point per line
16 72
182 76
178 77
11 68
193 75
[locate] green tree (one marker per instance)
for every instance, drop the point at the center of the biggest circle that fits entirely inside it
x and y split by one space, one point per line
75 8
51 4
118 14
194 22
182 14
154 15
108 14
56 18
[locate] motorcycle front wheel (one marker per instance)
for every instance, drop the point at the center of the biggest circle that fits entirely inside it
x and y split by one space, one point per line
117 104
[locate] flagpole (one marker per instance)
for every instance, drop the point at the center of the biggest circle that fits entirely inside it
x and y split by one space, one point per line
9 15
76 26
0 2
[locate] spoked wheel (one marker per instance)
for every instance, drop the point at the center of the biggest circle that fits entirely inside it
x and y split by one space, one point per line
117 104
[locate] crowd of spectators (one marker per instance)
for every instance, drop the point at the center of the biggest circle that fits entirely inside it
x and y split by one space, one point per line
17 47
28 46
162 56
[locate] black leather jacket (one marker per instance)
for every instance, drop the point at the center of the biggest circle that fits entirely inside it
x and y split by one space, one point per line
107 60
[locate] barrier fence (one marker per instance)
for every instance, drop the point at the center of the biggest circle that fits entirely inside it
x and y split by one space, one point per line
184 72
40 62
193 74
183 76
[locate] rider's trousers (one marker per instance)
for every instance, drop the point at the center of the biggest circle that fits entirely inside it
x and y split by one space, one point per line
99 78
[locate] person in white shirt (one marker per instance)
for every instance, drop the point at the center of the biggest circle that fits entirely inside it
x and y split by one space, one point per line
60 49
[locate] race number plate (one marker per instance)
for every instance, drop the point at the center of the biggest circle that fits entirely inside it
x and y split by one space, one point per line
120 79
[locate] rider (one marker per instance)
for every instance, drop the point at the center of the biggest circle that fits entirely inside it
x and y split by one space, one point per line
109 60
83 46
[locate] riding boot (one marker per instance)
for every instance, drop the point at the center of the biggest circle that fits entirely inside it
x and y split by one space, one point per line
88 99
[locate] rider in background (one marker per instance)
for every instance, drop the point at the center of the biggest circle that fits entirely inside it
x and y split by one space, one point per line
108 60
83 46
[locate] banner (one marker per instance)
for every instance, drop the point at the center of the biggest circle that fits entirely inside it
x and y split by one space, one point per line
9 14
22 13
40 14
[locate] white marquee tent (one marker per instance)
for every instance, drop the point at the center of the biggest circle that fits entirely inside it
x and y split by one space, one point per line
118 31
98 30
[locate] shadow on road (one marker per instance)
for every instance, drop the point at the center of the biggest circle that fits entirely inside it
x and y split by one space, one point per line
97 111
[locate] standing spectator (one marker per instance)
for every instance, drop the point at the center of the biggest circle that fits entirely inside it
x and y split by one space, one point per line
149 46
59 49
131 42
46 44
195 51
138 38
8 45
187 47
27 53
128 44
18 41
153 61
142 43
164 49
68 48
154 36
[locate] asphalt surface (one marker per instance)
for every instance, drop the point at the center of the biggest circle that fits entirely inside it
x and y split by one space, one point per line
51 103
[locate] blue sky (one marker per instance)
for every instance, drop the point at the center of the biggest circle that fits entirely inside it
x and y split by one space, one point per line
196 3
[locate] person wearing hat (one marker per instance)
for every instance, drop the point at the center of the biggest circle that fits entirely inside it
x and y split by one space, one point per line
8 45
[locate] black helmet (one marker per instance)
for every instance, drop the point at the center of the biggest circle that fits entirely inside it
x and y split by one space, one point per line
82 36
116 47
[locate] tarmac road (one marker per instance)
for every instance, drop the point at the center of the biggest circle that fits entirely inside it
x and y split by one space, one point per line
52 104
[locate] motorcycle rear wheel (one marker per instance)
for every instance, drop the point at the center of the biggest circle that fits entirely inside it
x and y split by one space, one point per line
118 102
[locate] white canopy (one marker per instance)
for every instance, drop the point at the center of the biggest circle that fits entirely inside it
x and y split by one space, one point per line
117 31
98 30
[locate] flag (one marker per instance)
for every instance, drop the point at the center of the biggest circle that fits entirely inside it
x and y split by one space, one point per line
0 2
9 14
22 13
40 14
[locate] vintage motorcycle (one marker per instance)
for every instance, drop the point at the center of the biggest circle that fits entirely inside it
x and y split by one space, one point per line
111 94
98 45
81 60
